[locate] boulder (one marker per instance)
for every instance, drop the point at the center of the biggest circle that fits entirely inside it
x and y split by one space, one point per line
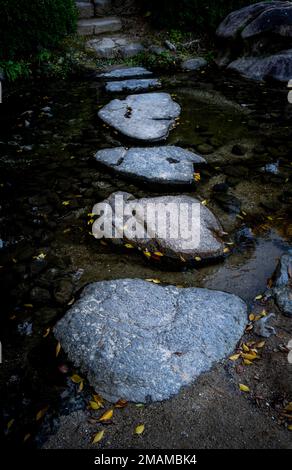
142 342
255 41
113 47
194 64
147 117
277 66
161 165
178 227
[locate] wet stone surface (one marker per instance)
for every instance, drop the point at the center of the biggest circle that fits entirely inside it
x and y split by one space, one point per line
160 338
48 186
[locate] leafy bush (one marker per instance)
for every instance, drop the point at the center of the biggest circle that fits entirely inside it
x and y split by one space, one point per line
28 26
193 15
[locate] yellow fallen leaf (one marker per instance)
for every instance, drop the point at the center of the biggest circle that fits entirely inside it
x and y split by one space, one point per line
139 429
99 400
245 347
246 362
244 388
121 403
10 423
182 259
65 203
155 281
258 297
28 305
98 437
288 407
58 349
158 253
128 245
249 356
234 357
147 253
76 378
260 344
107 415
41 413
47 332
290 427
226 250
81 386
198 258
94 405
251 317
205 202
90 222
26 437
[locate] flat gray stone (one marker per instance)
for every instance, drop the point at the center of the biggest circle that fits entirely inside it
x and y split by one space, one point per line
140 342
194 64
127 72
113 47
179 227
134 84
95 26
147 117
162 165
277 66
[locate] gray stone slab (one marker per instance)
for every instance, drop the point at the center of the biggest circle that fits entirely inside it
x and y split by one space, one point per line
142 84
147 117
162 165
127 72
95 26
178 227
140 342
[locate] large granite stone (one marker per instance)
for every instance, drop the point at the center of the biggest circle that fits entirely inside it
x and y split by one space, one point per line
255 41
277 66
178 227
147 117
257 17
141 342
162 165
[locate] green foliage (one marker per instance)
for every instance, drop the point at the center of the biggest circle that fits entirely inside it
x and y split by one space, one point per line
15 70
192 15
163 61
28 26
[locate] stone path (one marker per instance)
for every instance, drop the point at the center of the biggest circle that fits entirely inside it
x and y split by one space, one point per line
131 338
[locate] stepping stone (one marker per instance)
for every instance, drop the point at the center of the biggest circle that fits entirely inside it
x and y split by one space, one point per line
85 10
143 84
194 64
113 47
177 227
127 72
95 26
147 117
162 165
142 342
